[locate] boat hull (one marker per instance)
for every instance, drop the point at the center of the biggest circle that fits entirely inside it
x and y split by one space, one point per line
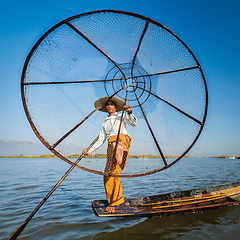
182 201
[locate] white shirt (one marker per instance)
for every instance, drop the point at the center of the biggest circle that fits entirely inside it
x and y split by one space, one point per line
110 127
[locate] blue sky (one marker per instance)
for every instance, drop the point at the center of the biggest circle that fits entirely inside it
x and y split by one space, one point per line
210 28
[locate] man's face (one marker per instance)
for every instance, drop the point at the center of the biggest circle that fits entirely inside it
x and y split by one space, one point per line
110 106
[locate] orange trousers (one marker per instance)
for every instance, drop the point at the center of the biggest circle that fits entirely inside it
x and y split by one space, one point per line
113 186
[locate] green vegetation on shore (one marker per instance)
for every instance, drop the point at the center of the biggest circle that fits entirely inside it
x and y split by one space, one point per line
130 156
30 156
99 155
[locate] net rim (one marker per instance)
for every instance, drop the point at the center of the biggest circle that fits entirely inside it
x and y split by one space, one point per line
28 115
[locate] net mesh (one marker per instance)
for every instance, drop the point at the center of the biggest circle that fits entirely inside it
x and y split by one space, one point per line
114 53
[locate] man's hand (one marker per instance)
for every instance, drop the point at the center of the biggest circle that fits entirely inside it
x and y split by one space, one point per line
85 152
127 108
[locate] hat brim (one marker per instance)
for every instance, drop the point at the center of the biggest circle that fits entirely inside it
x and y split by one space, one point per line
102 102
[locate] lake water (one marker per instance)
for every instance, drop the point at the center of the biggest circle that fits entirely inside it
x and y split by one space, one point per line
67 214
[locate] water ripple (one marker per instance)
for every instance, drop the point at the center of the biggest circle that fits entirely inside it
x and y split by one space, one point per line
68 214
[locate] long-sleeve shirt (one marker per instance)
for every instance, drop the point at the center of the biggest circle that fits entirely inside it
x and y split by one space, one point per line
110 127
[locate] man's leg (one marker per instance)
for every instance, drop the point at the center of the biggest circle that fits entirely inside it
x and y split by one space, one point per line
113 185
114 192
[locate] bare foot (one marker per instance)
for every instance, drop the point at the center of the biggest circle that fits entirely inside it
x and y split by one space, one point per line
110 209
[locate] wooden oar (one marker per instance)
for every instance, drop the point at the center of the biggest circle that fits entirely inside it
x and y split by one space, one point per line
118 135
24 224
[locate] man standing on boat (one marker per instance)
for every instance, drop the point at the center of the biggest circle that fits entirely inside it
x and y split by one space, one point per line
109 131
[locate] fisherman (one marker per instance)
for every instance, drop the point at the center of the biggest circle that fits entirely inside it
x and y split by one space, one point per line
109 131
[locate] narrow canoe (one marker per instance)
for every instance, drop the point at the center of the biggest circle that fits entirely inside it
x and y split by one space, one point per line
190 200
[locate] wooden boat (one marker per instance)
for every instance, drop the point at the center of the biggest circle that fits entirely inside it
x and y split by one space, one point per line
182 201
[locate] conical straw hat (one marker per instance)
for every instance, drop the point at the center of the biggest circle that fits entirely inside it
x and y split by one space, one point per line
102 102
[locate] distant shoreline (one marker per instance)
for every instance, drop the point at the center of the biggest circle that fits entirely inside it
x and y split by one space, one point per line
104 156
88 156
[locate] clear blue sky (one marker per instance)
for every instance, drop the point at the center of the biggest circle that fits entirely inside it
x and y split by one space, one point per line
210 28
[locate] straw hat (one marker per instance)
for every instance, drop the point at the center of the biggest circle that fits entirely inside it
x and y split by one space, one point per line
102 102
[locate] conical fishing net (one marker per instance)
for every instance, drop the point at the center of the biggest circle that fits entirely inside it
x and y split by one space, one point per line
114 54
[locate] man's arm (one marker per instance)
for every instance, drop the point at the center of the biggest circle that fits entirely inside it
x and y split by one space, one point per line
131 119
99 142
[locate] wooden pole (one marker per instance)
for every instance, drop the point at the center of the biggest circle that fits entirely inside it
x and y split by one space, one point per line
24 224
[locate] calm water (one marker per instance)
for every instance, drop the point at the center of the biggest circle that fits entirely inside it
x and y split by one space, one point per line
67 214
